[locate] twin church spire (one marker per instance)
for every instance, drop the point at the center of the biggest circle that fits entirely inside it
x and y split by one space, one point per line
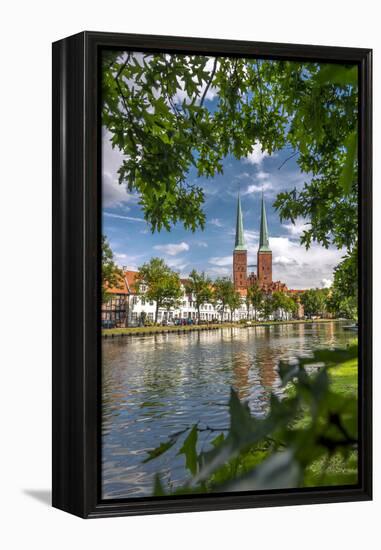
264 233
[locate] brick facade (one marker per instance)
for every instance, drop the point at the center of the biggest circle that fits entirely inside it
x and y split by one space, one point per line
264 268
240 270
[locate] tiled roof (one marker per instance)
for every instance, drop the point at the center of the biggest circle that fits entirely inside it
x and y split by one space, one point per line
131 277
119 289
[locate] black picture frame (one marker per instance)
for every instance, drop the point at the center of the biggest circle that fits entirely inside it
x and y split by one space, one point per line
76 275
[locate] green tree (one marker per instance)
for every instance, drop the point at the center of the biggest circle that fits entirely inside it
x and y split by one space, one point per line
278 303
254 298
267 306
162 284
343 298
292 305
199 286
223 288
315 301
234 302
112 275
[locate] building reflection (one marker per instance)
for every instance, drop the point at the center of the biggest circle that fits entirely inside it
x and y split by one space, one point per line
241 367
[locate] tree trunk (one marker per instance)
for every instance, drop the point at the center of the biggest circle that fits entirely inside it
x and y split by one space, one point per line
198 313
156 311
127 310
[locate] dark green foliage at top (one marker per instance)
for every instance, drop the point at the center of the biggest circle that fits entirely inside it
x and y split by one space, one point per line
315 424
154 108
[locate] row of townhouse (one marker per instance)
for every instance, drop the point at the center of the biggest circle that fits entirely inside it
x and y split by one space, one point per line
127 307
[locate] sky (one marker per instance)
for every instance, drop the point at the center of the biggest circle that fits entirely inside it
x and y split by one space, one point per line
210 250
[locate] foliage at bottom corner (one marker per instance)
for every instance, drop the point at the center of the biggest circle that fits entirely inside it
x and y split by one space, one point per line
308 438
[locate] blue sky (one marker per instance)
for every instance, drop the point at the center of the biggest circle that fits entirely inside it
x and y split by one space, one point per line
210 250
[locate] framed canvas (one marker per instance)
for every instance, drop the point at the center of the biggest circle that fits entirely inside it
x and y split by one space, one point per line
211 274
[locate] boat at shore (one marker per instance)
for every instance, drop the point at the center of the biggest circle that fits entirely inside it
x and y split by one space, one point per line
353 328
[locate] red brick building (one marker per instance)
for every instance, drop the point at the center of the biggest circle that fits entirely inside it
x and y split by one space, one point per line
264 276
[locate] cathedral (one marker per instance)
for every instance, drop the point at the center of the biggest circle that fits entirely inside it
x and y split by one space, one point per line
263 277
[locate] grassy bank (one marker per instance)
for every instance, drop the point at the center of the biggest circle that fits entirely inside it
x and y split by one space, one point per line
159 329
336 470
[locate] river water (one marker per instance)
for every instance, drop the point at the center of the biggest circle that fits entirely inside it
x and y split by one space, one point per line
154 386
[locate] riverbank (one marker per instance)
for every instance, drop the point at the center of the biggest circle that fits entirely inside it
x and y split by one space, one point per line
336 470
136 331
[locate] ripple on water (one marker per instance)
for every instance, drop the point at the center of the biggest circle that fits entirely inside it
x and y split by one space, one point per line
158 385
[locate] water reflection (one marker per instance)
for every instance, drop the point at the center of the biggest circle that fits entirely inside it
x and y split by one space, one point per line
156 385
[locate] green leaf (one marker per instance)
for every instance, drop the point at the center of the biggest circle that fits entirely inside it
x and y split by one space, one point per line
162 448
158 489
218 440
190 451
346 177
337 74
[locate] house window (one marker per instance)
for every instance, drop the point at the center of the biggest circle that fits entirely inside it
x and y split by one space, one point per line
143 301
134 300
150 316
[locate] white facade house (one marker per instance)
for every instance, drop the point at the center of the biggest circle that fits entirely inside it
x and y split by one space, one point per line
140 309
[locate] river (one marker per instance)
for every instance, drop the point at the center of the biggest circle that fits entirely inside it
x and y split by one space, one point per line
156 385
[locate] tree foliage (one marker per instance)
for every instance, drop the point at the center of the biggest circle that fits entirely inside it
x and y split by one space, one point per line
112 275
224 294
154 106
162 284
199 286
343 299
315 302
254 298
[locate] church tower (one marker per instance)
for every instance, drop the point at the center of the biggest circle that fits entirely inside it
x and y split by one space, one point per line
239 254
264 256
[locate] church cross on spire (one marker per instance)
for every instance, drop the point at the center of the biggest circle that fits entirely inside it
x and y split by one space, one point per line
239 238
264 233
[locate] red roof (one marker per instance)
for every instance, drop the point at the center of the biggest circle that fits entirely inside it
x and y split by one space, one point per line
131 278
120 289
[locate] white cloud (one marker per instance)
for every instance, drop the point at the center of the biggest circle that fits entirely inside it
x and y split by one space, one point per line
115 194
172 249
219 272
257 155
178 264
251 237
262 175
301 268
201 244
253 188
326 283
120 217
216 221
283 260
221 261
297 228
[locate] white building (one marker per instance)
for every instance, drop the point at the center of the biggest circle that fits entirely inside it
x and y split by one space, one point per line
139 307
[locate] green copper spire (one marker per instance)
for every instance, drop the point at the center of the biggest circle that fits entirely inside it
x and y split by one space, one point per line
239 240
264 235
